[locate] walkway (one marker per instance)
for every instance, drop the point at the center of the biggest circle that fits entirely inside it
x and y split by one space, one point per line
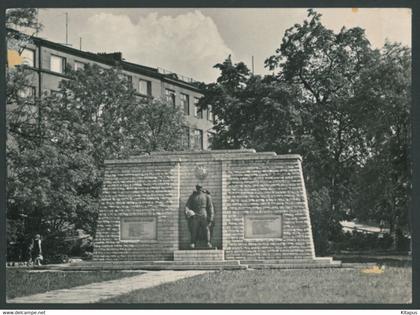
92 293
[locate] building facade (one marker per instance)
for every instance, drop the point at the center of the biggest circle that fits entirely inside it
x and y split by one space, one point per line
50 61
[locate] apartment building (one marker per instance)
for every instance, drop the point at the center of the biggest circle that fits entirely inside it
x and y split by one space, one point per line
50 60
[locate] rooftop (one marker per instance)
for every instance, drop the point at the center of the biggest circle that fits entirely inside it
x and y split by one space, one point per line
116 58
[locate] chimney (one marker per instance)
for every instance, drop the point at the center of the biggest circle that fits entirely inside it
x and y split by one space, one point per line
117 56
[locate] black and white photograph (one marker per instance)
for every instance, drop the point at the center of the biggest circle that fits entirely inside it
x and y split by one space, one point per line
209 156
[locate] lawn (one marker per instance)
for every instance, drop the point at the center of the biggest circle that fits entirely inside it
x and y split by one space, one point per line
21 282
342 285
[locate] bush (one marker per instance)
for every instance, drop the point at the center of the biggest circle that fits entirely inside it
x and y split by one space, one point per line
56 259
325 225
358 241
81 246
87 256
55 247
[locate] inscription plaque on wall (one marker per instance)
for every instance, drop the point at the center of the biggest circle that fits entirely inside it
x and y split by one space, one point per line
138 228
263 226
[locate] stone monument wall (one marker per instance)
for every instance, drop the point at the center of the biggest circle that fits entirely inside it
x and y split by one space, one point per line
146 191
260 193
259 199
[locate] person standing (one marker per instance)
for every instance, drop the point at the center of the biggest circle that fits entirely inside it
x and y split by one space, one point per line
36 250
200 213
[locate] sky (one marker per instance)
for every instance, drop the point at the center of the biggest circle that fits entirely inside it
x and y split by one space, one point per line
191 41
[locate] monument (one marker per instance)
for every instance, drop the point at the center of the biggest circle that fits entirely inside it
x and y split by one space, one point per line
261 216
199 211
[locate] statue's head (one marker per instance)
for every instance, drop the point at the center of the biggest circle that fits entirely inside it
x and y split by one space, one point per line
198 188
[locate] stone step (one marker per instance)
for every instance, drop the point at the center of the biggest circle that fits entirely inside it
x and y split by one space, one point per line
199 258
334 264
199 251
186 266
192 265
317 260
161 262
199 255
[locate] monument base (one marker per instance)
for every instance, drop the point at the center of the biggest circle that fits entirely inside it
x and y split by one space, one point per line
194 262
199 255
318 262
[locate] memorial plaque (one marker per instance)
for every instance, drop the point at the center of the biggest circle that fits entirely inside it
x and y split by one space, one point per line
138 228
263 226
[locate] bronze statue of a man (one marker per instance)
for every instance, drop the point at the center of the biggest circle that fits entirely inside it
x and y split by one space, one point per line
200 213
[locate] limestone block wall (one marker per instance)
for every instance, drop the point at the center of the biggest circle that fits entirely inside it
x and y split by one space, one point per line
259 192
140 190
261 188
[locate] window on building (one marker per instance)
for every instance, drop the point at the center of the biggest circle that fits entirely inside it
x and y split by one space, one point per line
197 111
78 65
185 103
209 113
210 137
185 138
197 139
28 57
145 87
170 96
57 64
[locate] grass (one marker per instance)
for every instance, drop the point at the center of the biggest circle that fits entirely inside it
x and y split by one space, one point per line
21 282
340 285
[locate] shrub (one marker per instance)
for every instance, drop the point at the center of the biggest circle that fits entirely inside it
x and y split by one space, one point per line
55 246
87 256
56 259
358 241
81 246
325 225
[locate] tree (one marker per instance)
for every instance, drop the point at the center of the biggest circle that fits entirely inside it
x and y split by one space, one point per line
223 97
335 101
97 115
56 162
20 117
20 22
326 66
50 183
108 114
251 111
157 125
94 106
57 144
383 185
